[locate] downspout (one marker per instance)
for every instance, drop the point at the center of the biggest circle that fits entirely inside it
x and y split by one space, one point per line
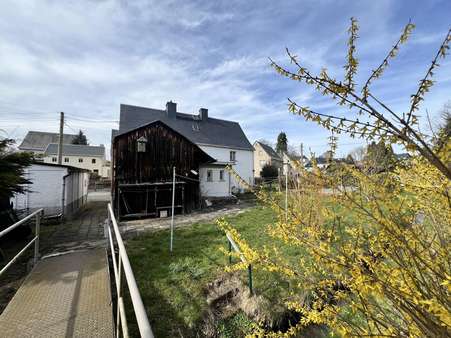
63 197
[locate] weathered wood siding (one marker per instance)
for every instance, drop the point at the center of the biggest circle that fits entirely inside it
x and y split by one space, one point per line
165 148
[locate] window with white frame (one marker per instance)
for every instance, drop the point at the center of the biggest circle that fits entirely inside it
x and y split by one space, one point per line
66 159
54 159
80 160
221 175
93 161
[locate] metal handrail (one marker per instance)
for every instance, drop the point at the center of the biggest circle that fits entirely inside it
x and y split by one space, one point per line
35 239
121 262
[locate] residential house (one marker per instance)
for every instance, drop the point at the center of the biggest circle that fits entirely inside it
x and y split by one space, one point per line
37 141
288 166
59 189
81 156
265 154
45 146
222 140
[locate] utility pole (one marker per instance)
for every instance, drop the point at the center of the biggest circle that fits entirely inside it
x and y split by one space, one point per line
60 140
302 154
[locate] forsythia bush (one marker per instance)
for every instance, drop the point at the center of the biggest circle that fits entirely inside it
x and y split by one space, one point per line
376 248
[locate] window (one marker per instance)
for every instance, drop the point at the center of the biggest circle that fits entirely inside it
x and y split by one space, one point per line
221 175
66 159
260 153
209 175
93 161
54 159
262 163
233 156
80 160
96 171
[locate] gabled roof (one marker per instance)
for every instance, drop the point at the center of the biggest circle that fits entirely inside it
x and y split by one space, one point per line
269 150
205 157
213 131
75 150
39 140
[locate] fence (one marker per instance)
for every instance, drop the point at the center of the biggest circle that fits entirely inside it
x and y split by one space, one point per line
121 262
35 239
235 247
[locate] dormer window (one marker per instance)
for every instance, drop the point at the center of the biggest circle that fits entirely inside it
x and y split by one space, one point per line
195 127
141 144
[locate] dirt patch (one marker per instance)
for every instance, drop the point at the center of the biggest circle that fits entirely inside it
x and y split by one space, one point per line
226 296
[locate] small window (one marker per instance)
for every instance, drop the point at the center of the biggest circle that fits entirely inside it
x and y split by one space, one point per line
80 160
93 161
66 159
54 159
209 175
233 156
260 153
221 175
96 171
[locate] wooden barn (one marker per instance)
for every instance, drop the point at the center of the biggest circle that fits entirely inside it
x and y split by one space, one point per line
143 160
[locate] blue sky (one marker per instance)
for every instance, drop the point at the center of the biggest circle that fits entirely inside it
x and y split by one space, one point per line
87 57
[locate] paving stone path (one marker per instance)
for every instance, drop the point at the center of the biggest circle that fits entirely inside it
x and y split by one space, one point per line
67 294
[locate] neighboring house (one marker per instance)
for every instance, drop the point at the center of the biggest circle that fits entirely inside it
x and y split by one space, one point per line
222 140
264 154
37 141
321 163
45 146
288 166
81 156
59 189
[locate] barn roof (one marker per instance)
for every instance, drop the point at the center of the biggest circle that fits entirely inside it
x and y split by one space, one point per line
75 150
39 140
211 131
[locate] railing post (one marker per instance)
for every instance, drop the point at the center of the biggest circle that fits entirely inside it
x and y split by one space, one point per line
118 287
249 268
36 243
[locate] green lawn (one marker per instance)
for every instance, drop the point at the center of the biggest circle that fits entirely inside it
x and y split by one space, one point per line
172 285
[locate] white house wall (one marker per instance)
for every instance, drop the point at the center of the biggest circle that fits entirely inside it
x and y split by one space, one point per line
244 166
216 187
86 163
46 190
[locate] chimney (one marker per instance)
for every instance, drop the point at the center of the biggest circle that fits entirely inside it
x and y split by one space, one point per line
203 114
171 109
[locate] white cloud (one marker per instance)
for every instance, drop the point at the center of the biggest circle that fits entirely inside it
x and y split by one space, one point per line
87 57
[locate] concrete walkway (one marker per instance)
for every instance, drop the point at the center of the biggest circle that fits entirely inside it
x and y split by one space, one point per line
63 296
84 231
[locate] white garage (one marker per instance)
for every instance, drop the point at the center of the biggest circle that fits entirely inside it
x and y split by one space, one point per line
59 189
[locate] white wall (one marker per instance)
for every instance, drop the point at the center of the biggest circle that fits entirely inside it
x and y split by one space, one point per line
46 190
85 164
215 187
244 166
